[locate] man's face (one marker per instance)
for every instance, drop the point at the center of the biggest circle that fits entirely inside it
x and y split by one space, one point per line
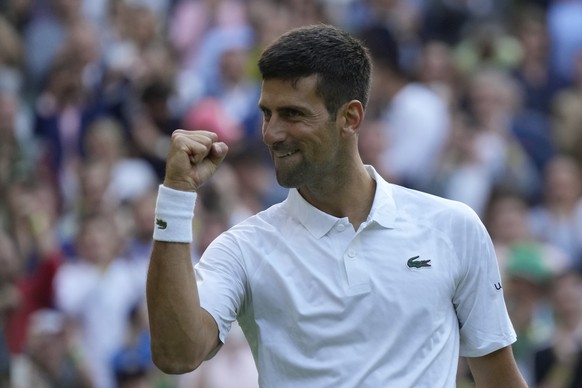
297 128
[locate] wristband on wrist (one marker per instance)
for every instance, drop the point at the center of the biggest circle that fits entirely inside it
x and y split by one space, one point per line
174 213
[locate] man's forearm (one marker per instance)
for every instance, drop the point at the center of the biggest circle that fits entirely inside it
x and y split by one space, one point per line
182 333
497 369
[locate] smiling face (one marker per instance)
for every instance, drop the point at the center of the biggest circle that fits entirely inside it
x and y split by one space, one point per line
304 141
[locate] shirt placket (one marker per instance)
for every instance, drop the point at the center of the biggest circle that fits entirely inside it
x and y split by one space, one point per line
358 277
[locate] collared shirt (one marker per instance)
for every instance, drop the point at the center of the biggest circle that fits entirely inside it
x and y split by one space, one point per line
392 304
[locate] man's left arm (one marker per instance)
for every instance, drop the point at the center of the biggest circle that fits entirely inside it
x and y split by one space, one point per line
496 369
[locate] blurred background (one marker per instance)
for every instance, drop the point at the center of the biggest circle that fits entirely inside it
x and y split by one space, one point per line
474 100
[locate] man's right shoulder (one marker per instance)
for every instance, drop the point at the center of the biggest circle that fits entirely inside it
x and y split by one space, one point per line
269 220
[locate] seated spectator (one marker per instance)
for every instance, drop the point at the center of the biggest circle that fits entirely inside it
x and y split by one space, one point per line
527 266
527 274
559 364
567 114
507 220
461 174
130 177
493 101
34 217
50 359
132 362
558 218
533 72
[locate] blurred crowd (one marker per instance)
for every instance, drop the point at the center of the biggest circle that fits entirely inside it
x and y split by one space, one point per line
474 100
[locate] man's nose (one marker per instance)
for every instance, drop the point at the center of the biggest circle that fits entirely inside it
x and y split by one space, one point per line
273 131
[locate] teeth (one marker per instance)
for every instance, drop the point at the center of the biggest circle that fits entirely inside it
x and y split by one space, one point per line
286 154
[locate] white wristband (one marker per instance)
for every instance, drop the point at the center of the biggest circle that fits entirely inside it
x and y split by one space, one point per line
174 213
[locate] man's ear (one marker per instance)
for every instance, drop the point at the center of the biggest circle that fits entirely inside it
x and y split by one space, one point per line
352 116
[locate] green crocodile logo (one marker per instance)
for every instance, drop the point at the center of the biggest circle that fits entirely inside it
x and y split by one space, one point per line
161 224
413 263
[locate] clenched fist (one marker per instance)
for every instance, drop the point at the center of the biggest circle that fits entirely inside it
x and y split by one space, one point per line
193 157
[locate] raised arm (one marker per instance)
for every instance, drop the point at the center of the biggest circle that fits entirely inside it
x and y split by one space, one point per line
182 333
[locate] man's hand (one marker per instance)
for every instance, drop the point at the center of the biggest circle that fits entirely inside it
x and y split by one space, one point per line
193 157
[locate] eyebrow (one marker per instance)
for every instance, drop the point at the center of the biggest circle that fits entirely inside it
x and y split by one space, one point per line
284 108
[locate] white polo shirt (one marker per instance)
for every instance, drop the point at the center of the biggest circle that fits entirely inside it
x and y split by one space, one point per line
389 305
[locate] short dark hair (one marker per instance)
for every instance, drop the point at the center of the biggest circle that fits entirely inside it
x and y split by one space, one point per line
340 61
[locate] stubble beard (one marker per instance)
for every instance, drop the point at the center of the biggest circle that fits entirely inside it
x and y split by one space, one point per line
292 176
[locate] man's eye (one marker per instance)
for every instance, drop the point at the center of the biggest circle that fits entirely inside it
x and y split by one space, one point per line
292 113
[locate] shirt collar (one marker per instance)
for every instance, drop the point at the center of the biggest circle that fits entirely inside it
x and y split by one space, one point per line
384 207
320 223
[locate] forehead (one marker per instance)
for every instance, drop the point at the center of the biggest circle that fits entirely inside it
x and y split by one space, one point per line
277 93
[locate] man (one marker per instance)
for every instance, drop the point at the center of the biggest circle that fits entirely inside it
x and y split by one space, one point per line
350 281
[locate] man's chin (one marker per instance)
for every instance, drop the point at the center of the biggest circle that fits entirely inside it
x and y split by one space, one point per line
288 181
286 184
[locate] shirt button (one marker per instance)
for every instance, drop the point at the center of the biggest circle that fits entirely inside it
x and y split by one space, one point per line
352 253
340 227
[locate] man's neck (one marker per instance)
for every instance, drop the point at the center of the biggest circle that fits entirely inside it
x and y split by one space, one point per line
350 196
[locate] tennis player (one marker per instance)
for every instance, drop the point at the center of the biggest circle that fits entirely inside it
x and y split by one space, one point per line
349 282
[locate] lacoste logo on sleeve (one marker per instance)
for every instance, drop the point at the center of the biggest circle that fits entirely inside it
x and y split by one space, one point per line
161 224
413 263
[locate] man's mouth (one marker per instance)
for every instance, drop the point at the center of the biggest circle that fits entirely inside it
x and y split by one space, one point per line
281 155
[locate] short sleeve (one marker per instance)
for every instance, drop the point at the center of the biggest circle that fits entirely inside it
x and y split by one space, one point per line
484 323
220 277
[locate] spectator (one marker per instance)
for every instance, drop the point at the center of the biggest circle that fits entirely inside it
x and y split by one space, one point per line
558 219
50 359
97 290
493 101
16 163
198 32
534 73
559 364
130 177
527 267
238 93
44 34
90 197
138 244
567 114
34 216
565 32
527 274
62 113
132 362
417 119
446 21
17 12
11 47
9 299
438 71
152 124
507 220
460 173
90 92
